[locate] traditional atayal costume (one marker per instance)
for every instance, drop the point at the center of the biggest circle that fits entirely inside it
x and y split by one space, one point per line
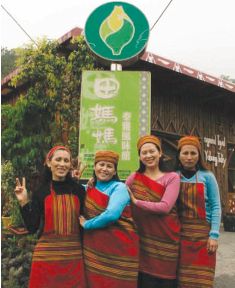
200 215
199 210
111 251
159 233
57 258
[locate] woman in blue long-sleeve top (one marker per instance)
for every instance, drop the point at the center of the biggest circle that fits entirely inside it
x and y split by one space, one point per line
200 216
110 239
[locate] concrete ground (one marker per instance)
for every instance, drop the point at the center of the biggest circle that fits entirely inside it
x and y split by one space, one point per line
225 265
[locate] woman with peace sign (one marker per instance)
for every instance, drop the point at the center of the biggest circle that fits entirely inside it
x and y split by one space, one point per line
57 204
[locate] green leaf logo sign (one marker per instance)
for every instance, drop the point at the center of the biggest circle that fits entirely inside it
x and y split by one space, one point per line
117 30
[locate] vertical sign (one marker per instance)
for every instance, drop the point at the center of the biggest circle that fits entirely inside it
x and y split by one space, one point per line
115 111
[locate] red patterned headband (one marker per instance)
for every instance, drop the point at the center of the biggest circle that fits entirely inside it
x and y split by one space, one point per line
54 149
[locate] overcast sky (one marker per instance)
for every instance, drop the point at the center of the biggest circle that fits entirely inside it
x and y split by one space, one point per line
197 33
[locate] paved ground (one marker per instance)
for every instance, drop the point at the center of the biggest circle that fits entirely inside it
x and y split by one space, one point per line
225 265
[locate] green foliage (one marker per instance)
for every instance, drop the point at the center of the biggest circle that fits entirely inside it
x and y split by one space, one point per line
7 188
16 260
10 206
8 58
48 113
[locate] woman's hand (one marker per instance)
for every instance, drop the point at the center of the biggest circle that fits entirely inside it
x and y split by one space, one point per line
133 199
90 182
212 245
76 174
21 192
82 220
78 168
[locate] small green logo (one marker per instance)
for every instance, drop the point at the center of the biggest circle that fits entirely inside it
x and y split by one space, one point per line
117 32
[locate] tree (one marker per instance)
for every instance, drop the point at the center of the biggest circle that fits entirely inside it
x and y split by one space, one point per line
48 113
8 58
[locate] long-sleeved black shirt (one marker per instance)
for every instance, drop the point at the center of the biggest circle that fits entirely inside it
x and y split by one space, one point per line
33 212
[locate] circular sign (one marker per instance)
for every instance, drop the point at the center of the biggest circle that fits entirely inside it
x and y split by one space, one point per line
117 32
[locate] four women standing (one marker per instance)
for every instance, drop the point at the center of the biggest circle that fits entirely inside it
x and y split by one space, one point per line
111 252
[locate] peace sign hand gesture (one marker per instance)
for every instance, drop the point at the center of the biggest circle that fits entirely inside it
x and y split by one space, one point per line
21 192
78 168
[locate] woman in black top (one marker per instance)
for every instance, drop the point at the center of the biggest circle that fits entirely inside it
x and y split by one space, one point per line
57 259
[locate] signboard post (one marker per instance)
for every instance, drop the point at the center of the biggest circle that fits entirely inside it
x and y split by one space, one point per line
115 105
115 111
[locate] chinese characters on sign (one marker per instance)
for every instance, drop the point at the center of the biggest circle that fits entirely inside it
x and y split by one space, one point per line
115 111
126 136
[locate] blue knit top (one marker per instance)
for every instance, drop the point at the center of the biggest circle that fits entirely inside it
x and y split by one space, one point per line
118 199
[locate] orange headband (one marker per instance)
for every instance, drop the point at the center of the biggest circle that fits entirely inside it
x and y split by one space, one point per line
54 149
148 139
107 155
189 140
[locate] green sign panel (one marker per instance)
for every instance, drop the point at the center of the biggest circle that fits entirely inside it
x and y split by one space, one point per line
117 31
115 111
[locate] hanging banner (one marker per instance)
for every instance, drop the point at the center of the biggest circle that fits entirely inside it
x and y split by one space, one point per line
115 111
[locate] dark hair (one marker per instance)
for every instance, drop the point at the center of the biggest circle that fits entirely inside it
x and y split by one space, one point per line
161 164
115 177
200 164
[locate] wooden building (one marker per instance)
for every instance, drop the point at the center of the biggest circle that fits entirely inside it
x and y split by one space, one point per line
184 101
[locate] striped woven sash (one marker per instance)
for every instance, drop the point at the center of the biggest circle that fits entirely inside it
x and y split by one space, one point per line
196 266
111 253
196 277
159 248
195 229
54 248
114 266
